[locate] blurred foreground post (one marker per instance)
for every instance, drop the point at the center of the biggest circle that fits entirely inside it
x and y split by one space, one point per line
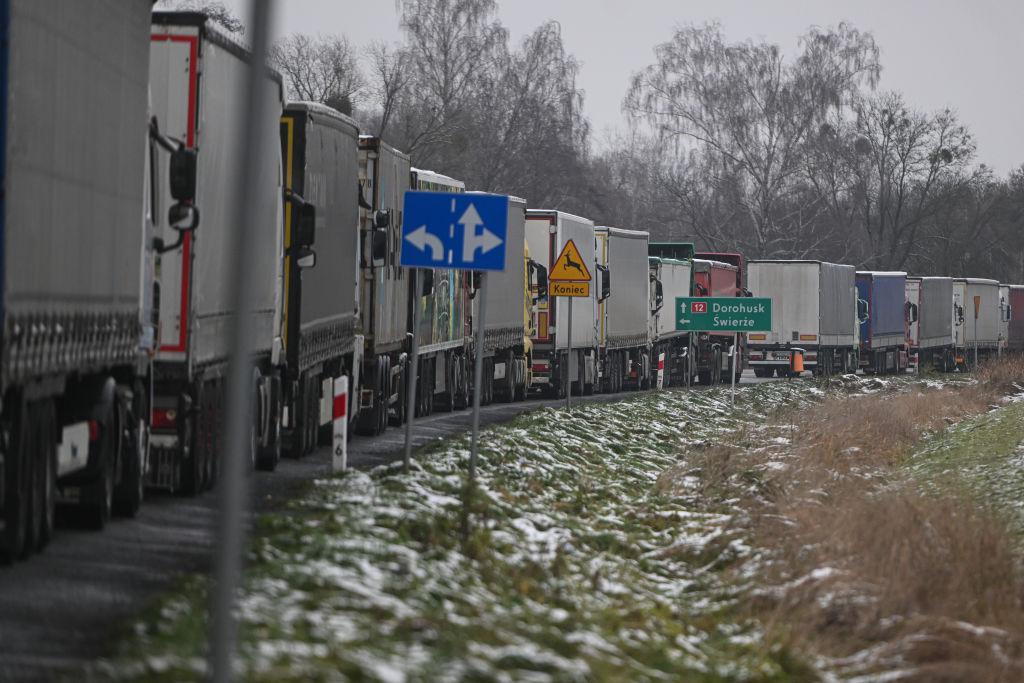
236 465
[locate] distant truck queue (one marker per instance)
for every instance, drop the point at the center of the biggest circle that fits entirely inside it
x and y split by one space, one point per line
114 219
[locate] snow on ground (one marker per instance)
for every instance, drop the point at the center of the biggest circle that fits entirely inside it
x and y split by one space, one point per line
575 566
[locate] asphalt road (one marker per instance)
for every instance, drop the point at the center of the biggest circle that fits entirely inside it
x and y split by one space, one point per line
65 607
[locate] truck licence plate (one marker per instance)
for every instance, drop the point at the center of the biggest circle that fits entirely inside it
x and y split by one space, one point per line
780 355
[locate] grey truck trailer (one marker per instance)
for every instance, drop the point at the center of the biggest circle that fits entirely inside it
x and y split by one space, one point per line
79 174
320 156
196 71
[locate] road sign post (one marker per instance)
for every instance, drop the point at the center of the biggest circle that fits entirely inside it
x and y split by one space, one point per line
732 374
568 367
478 365
412 367
725 314
570 277
458 232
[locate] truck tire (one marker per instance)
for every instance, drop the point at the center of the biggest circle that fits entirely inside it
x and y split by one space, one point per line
268 453
204 436
129 491
47 419
507 390
189 475
17 487
100 498
398 418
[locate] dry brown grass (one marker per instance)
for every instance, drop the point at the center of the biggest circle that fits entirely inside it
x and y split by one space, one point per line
862 560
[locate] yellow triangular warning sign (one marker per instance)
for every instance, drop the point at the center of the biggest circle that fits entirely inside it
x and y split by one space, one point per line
569 266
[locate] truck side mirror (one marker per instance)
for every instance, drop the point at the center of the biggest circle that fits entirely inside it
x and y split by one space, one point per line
381 219
863 310
428 282
541 276
659 295
183 174
606 282
379 247
306 258
959 314
305 226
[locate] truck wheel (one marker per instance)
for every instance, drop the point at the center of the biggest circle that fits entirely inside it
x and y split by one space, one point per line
398 418
202 444
48 485
129 491
189 474
101 492
381 404
312 423
447 400
268 454
17 488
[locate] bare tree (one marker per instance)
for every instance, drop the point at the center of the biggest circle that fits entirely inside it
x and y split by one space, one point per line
751 112
390 74
319 69
452 44
906 164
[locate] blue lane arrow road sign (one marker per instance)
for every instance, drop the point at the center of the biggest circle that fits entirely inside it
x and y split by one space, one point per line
451 230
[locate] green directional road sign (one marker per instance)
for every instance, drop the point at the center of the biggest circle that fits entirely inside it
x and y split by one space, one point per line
723 314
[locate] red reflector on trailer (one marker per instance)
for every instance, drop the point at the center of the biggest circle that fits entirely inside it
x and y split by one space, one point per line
340 405
163 418
540 367
94 430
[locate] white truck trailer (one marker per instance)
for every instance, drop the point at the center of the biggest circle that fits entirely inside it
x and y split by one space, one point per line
78 178
977 336
384 291
912 320
1005 314
814 308
624 349
670 278
563 351
195 73
507 346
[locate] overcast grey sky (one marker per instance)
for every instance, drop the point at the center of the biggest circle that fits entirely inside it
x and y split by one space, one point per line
939 53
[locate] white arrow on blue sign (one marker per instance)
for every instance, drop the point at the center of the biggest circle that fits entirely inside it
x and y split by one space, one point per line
451 230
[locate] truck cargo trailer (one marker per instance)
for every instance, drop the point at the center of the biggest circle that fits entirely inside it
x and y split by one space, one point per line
508 351
912 324
736 259
445 308
978 335
937 316
320 151
75 218
624 353
196 72
384 289
1015 330
711 351
563 351
814 308
670 279
883 332
1005 313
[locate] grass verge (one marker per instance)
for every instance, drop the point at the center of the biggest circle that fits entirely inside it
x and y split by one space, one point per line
880 551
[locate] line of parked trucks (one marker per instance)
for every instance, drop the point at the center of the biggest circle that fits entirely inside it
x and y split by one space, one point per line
118 149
